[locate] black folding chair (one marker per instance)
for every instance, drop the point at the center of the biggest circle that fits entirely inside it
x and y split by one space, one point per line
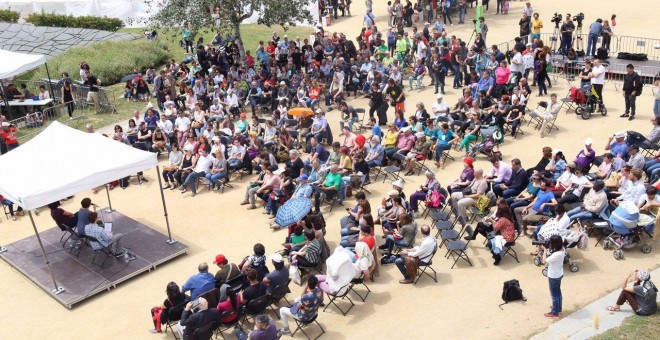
106 250
278 293
357 282
222 326
508 247
426 265
205 332
457 249
341 294
171 320
259 304
301 324
393 170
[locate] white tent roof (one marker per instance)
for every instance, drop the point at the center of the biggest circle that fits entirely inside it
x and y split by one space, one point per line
14 63
62 161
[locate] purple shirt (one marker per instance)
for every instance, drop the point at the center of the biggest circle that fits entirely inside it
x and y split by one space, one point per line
467 175
503 173
584 160
269 333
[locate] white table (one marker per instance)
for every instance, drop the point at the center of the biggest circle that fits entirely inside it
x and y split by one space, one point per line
27 102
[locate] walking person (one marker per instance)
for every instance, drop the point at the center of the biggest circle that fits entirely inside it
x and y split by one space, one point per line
67 95
632 87
554 257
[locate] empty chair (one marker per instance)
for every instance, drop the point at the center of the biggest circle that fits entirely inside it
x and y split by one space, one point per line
457 249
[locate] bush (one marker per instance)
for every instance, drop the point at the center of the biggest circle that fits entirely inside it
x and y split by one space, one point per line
7 15
58 20
109 61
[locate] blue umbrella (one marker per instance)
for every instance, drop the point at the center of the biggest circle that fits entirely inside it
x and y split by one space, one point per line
293 211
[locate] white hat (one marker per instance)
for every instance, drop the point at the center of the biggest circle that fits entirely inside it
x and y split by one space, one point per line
398 183
215 139
588 141
277 257
188 148
282 82
278 171
438 96
620 134
392 193
149 105
559 150
5 124
420 135
404 129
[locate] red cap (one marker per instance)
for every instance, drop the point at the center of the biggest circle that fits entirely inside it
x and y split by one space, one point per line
468 161
220 259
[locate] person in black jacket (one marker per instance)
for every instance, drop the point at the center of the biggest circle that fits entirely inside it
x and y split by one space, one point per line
174 298
516 184
632 87
201 316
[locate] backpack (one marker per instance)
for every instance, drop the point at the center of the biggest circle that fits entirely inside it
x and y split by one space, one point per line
435 201
511 292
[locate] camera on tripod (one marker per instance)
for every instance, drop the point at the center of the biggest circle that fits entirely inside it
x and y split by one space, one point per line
579 18
556 18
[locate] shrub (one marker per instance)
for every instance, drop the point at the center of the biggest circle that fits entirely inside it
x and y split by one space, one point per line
109 61
7 15
59 20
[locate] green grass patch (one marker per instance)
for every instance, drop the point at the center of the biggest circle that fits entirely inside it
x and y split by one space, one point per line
634 327
110 60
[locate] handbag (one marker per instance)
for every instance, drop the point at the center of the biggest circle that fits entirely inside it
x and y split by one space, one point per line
467 191
169 168
482 203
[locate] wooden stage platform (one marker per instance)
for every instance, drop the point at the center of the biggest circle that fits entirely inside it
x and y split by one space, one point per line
76 274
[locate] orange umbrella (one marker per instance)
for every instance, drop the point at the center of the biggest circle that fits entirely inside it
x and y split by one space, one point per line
301 111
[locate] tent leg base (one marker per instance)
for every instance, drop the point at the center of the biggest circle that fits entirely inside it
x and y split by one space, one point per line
109 210
171 241
2 250
58 290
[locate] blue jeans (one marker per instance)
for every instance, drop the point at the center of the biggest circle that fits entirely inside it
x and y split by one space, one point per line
439 149
535 36
192 180
592 40
446 16
656 107
461 15
214 179
578 213
391 242
240 335
402 267
566 44
458 76
555 293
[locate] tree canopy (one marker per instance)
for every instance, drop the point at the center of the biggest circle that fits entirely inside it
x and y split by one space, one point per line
227 15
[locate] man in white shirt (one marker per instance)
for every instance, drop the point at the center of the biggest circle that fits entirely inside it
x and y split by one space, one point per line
231 102
517 65
598 80
634 190
440 108
182 127
421 50
203 166
236 155
424 252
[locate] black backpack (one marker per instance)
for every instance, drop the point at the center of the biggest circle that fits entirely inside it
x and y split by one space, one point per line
511 292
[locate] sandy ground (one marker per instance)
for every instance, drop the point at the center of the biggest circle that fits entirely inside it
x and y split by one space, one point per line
462 305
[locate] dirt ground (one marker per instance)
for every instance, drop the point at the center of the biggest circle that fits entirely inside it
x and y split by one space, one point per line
463 304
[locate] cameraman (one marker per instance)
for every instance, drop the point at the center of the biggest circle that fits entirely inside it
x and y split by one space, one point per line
567 36
595 30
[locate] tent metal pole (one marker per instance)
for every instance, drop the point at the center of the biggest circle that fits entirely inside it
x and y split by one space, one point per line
162 197
4 98
57 290
50 85
107 192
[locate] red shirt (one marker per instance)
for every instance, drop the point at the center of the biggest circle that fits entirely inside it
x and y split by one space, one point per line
370 241
9 136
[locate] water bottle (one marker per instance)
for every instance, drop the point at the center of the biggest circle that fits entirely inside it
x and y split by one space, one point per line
126 257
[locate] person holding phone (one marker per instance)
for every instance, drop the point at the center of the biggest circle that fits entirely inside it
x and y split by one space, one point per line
197 314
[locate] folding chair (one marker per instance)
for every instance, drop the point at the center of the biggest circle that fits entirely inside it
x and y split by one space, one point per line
278 293
359 124
568 103
6 211
107 250
356 282
424 266
300 324
332 199
236 283
508 247
206 331
393 170
456 249
478 213
427 210
258 304
550 125
420 162
374 172
341 294
226 326
452 234
176 310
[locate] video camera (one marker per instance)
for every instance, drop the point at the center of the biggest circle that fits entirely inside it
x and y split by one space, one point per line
579 18
556 18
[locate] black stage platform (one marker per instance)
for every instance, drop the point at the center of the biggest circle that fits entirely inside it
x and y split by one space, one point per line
77 275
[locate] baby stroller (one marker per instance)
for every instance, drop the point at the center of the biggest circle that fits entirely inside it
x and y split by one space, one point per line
586 100
627 226
488 145
571 240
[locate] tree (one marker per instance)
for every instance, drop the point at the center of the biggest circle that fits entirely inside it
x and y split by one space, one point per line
197 14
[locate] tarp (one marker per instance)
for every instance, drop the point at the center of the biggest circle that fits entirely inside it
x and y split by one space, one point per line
62 161
14 63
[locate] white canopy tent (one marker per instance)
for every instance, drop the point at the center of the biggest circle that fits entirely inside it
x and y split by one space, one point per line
36 173
14 63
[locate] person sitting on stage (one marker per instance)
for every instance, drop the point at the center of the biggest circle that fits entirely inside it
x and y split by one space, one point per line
199 283
83 214
228 271
103 237
62 217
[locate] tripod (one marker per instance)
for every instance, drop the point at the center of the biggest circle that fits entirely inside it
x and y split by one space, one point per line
474 31
579 44
553 39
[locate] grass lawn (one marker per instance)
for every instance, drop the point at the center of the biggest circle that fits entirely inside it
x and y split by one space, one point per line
251 35
634 328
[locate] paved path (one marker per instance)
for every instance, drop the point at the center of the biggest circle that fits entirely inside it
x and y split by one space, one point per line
580 325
